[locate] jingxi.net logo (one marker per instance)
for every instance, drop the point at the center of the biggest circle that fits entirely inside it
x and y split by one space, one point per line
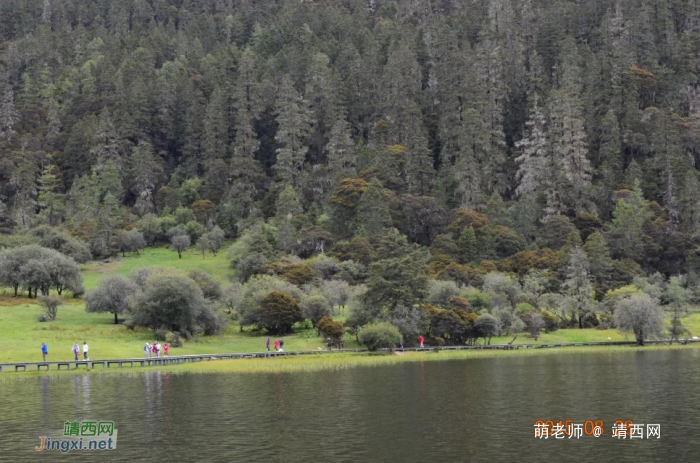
85 435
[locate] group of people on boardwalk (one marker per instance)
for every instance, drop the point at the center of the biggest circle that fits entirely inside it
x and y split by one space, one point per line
75 350
337 342
278 345
155 350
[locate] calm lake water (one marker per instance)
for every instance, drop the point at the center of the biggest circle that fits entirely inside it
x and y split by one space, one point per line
472 410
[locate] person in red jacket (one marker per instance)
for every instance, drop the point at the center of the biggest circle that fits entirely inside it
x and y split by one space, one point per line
420 340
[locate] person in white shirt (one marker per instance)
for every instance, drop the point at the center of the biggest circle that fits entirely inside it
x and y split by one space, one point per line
85 350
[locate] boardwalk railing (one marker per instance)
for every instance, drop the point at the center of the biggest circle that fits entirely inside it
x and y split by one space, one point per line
145 362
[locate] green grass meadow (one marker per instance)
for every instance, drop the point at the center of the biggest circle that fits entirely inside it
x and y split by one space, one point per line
161 258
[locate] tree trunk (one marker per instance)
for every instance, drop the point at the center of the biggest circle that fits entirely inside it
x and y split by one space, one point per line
116 320
179 254
580 321
16 286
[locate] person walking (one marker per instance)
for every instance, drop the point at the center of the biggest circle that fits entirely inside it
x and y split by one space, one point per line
166 348
44 350
281 345
268 344
147 350
328 344
159 350
76 350
86 348
421 339
154 350
277 345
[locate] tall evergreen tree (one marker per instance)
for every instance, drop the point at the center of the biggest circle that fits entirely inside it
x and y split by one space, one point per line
533 160
294 126
567 133
50 200
340 151
144 175
627 228
373 217
578 284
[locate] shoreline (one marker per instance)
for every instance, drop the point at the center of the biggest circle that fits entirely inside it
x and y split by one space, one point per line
343 361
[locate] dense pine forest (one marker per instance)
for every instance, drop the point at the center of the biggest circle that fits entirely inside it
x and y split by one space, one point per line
529 148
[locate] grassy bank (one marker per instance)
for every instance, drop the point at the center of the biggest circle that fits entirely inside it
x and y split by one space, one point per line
22 334
324 362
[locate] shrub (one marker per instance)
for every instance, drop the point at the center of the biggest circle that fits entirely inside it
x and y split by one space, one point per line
253 251
534 322
314 307
455 325
336 291
111 296
410 321
298 274
486 327
151 228
249 300
524 307
180 243
459 302
330 328
173 338
210 288
440 292
279 311
351 272
51 304
160 334
175 303
550 322
379 335
326 266
641 315
477 299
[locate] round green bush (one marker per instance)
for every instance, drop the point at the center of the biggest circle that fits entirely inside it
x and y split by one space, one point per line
379 335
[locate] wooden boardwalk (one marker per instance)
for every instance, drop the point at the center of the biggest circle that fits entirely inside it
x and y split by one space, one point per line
148 362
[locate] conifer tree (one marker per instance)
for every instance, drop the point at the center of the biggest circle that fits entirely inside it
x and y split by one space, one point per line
144 175
688 204
568 136
627 228
578 283
468 246
340 151
216 126
286 218
294 128
373 216
49 199
601 263
532 161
